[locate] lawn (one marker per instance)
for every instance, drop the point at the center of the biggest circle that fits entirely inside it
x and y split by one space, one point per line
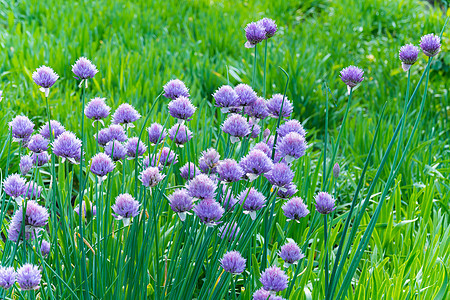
391 195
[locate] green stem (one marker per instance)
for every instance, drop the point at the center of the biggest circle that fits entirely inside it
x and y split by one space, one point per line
254 67
265 67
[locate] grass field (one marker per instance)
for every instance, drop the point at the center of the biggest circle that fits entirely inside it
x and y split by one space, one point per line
138 46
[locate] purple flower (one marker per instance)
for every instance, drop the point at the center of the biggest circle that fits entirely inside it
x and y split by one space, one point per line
254 128
291 253
291 126
336 170
162 158
269 27
229 170
45 248
256 163
257 109
201 187
255 33
40 159
246 95
262 294
233 262
266 133
33 190
84 68
116 132
116 150
189 170
324 203
14 185
36 217
408 56
263 147
280 175
208 211
180 202
279 103
91 212
295 209
38 143
226 98
156 133
288 191
21 127
150 177
101 165
352 76
227 199
175 88
180 134
125 207
430 44
132 146
103 136
26 164
236 126
45 77
274 279
181 108
29 277
7 277
67 145
292 146
252 200
229 232
209 160
125 114
56 127
97 109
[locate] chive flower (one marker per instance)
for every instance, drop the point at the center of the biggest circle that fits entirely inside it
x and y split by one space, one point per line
21 128
280 175
255 33
45 248
227 200
84 69
292 146
290 253
14 186
291 126
116 150
201 187
430 44
256 163
156 133
208 211
274 279
269 26
7 277
229 171
209 160
180 134
246 95
352 76
408 56
33 190
262 294
151 176
134 148
229 232
126 114
181 109
101 165
325 203
279 104
125 208
226 98
263 147
189 170
67 146
36 217
175 88
258 109
336 170
40 159
236 126
44 77
233 262
97 109
252 201
29 277
295 209
56 127
181 203
288 191
38 143
26 164
116 132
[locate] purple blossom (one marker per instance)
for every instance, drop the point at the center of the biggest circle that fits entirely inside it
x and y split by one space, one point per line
430 44
254 128
33 190
189 170
208 211
162 158
84 68
229 170
14 185
227 199
295 209
45 77
156 133
101 165
209 160
352 76
229 232
258 109
233 262
266 133
252 200
236 126
125 207
274 279
116 150
97 109
45 248
7 277
56 127
291 126
38 143
226 98
29 277
125 114
263 147
255 33
280 175
36 217
103 137
180 202
288 191
324 203
408 56
336 170
269 27
40 159
292 146
175 88
256 163
132 146
279 103
201 187
151 176
246 95
116 132
180 134
262 294
21 127
291 253
67 145
26 164
181 108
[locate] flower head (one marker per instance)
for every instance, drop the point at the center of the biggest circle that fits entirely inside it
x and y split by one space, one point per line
269 27
33 190
279 103
408 56
336 170
233 262
291 126
201 187
246 95
255 129
352 76
274 279
125 207
26 164
40 159
292 146
430 44
255 33
97 109
115 132
229 170
14 185
208 211
258 109
29 277
324 203
263 147
45 77
7 277
288 191
209 160
189 170
134 148
175 88
101 164
38 143
156 133
229 232
180 202
291 253
45 248
56 127
116 150
162 158
252 200
84 68
125 114
236 126
256 163
21 127
180 134
295 209
226 98
36 217
181 108
151 176
280 175
67 145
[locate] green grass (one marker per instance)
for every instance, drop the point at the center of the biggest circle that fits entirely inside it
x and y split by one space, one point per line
138 46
